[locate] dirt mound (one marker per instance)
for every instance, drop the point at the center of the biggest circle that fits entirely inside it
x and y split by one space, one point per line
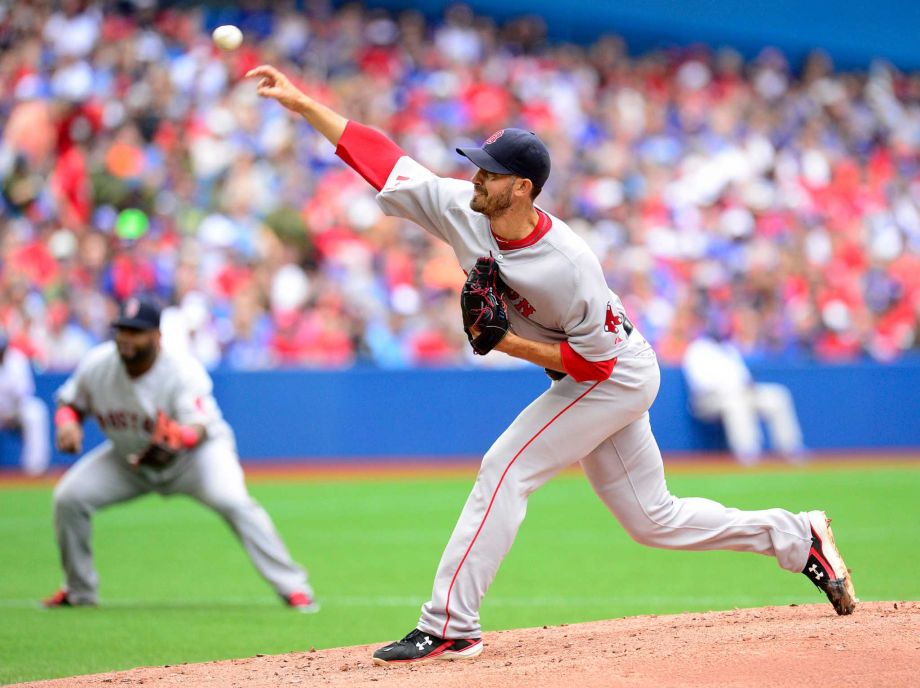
773 646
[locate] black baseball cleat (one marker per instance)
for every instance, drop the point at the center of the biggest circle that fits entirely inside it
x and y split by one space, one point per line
419 646
825 567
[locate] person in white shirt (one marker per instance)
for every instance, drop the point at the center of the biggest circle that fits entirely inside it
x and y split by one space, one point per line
722 389
21 411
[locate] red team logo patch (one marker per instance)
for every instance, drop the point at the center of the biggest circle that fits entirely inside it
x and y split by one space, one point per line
494 137
613 321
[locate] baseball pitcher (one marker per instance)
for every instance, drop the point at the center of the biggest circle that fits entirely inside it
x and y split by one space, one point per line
165 434
536 291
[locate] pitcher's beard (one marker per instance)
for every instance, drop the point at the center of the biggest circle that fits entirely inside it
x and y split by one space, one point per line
491 206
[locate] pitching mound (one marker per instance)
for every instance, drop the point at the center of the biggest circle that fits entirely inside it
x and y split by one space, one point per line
774 646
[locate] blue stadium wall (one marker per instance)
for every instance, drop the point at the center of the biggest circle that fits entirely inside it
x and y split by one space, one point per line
854 33
373 414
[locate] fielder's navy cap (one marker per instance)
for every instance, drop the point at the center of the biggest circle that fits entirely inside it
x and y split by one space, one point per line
512 151
138 314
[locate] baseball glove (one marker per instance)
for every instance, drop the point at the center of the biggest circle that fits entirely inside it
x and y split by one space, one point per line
165 445
482 307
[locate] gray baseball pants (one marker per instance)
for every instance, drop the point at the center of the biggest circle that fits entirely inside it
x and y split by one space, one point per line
210 474
605 426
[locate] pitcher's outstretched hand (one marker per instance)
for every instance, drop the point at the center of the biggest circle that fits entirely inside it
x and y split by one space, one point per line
274 84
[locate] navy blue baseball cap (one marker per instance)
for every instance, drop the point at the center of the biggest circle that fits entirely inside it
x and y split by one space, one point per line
138 314
512 151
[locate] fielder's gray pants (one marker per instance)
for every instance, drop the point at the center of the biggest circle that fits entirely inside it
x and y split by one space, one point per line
606 427
210 474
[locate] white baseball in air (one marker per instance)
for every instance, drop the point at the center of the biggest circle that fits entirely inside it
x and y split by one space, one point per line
227 37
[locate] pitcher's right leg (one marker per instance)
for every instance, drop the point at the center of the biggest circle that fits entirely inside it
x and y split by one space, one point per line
534 448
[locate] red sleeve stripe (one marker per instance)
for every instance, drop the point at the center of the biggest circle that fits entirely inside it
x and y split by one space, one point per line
583 370
369 153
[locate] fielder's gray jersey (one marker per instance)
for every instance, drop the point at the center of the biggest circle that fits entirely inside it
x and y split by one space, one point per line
557 290
126 407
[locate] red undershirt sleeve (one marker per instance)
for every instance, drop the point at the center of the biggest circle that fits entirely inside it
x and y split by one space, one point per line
582 369
369 153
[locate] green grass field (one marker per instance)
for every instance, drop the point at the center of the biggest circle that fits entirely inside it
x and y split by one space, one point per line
176 586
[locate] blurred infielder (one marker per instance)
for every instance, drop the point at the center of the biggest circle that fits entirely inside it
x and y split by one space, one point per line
564 318
165 434
21 411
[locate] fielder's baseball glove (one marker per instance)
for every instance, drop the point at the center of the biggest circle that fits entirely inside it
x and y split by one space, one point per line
482 307
165 445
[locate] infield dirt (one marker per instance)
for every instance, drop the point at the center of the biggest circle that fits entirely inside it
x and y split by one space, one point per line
879 645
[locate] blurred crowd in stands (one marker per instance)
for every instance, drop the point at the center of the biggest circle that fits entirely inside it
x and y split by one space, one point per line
779 202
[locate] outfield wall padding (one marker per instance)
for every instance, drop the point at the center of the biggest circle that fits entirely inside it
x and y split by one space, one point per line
371 413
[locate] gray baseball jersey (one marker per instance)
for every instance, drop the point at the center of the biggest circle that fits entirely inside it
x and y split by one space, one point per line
126 409
558 294
557 288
